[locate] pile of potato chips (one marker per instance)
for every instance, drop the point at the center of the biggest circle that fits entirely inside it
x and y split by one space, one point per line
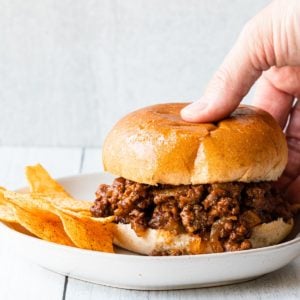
50 213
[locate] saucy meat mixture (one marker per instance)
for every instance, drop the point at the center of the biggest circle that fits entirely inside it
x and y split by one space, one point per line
222 213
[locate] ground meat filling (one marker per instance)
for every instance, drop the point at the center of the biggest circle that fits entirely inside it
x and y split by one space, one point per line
223 213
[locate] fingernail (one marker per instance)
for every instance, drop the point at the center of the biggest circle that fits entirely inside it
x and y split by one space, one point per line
195 108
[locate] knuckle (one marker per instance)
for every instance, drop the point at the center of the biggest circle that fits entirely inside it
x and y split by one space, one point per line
222 78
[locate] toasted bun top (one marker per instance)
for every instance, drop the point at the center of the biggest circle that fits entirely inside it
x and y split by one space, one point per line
154 145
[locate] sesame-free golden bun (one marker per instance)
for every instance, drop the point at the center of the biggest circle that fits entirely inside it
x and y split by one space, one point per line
154 145
159 240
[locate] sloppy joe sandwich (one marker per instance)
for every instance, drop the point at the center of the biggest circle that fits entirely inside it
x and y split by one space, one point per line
187 188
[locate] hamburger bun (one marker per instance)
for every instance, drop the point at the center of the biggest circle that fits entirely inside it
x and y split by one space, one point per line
160 241
154 145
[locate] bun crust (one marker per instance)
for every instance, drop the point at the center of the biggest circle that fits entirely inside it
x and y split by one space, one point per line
154 145
160 240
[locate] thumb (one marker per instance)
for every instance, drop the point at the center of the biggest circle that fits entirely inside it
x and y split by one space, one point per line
232 81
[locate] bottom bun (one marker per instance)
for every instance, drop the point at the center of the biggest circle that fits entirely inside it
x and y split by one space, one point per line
157 241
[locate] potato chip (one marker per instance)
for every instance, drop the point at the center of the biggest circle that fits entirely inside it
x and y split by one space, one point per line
55 220
19 228
43 226
43 185
84 231
81 206
7 214
49 202
87 232
8 217
41 182
38 217
2 198
28 202
50 213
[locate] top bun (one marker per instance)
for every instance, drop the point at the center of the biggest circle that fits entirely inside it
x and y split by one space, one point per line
154 145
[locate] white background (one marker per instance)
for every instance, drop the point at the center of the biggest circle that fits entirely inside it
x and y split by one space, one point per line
70 68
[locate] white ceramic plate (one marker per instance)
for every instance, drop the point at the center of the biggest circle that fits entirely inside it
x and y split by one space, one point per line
132 271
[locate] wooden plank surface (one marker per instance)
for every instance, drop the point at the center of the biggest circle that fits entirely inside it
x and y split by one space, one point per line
20 279
58 161
92 160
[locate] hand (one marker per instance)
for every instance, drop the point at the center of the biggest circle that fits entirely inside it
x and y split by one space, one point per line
268 49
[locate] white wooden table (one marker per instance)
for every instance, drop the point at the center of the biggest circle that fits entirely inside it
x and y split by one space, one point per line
20 279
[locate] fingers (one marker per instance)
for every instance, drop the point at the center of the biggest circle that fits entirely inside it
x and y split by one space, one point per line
293 191
269 39
277 102
226 89
293 139
240 69
276 90
292 170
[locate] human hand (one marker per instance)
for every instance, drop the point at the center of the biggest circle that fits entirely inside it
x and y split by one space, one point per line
268 49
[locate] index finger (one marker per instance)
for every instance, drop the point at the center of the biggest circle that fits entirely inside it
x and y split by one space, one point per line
273 100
